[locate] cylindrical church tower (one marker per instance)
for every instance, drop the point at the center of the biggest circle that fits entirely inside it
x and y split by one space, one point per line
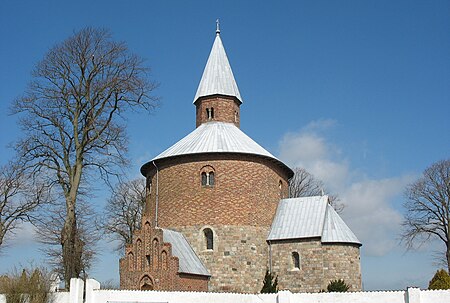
217 186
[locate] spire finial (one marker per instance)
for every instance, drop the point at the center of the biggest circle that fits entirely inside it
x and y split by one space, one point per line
217 27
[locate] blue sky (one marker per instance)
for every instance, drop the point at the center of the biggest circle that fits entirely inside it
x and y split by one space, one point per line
357 92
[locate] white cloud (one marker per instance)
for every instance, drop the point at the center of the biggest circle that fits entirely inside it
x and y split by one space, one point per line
24 234
369 202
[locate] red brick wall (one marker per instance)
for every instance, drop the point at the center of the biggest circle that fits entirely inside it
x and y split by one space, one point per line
159 269
226 109
246 191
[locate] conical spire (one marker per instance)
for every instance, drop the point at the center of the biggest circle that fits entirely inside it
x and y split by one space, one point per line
217 77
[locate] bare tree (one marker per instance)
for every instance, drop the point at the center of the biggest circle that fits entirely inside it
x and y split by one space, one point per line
124 210
19 198
49 228
71 119
427 207
304 184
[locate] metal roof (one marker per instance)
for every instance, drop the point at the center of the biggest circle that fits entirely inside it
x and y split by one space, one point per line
299 218
309 217
215 137
189 262
335 229
217 77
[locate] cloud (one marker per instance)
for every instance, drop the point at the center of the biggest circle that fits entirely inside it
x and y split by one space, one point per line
370 210
24 234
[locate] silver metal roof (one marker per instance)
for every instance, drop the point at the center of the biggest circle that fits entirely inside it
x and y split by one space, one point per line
217 77
189 262
215 137
299 218
308 217
335 229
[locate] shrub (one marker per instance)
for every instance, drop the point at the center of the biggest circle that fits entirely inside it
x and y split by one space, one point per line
441 280
337 286
270 285
30 286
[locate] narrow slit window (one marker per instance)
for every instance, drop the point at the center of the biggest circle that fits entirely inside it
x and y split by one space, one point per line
209 238
296 260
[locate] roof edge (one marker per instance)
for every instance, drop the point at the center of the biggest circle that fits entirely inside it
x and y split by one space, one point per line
148 165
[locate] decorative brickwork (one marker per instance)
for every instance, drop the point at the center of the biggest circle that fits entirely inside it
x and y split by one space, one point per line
246 191
224 109
319 264
149 265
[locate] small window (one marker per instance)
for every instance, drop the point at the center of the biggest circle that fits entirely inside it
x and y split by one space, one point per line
210 113
209 238
211 179
204 179
296 260
208 179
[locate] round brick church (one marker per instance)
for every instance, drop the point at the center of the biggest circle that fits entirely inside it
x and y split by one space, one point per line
218 214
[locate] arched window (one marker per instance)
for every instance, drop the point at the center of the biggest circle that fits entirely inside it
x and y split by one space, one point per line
296 260
211 179
146 283
147 227
155 254
164 260
208 178
209 238
204 179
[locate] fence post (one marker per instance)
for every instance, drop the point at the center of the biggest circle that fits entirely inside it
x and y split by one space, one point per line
76 290
284 296
91 285
413 294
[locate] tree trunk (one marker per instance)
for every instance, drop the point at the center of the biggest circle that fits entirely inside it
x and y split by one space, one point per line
72 248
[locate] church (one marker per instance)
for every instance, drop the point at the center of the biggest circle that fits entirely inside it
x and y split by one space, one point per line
218 215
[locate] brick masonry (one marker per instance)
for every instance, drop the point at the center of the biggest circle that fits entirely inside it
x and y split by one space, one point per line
149 264
246 191
239 209
239 259
226 109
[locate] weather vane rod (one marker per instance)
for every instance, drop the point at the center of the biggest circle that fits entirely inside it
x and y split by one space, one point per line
217 27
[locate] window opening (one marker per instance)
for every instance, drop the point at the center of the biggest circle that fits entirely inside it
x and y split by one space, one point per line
211 179
204 179
209 238
296 260
208 179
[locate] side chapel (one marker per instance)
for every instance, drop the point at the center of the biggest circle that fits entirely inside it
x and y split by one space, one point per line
218 214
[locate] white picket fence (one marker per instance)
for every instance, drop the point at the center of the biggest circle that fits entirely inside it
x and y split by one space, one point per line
92 293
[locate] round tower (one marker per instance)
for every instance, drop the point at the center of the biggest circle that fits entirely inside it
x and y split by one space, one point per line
217 186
